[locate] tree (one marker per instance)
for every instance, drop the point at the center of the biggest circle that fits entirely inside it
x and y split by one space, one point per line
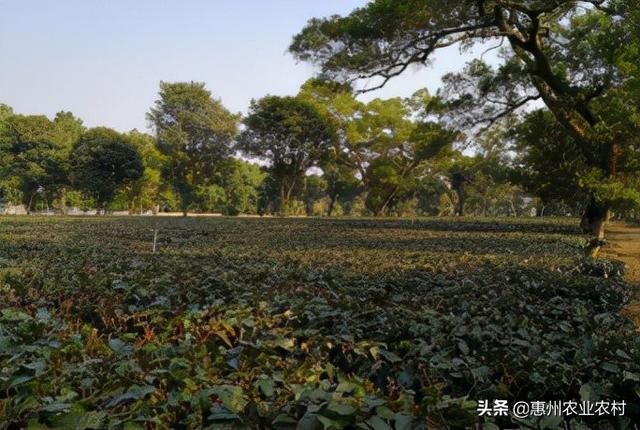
102 161
571 55
34 155
548 163
291 135
5 111
315 191
241 182
144 193
194 132
234 189
67 130
338 105
398 146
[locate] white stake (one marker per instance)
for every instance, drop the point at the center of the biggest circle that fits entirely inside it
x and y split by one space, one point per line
155 240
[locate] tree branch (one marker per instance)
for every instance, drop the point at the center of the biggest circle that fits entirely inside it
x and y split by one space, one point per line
510 109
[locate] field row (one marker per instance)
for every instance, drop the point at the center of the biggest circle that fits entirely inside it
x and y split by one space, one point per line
278 323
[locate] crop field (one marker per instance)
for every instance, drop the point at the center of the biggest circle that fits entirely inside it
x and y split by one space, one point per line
306 323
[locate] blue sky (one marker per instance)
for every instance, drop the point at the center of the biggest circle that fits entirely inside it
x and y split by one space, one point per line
103 59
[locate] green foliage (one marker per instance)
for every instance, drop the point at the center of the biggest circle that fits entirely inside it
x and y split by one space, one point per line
292 135
247 323
549 160
34 152
555 167
241 182
102 161
579 61
68 130
75 199
212 198
5 111
194 132
144 193
381 145
315 191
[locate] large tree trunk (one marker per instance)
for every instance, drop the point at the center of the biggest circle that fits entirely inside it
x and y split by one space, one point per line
63 201
461 200
593 223
185 201
385 206
457 184
594 219
332 203
513 209
283 199
29 204
286 195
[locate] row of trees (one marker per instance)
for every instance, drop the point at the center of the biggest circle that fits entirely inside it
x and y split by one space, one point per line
59 164
579 59
555 124
322 152
42 159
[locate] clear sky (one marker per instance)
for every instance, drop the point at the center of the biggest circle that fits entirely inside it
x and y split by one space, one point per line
103 59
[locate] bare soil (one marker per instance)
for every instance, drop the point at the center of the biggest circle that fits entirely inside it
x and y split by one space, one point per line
624 245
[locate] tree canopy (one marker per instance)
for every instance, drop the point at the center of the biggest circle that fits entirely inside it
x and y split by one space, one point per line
291 135
550 122
34 152
101 161
194 131
574 56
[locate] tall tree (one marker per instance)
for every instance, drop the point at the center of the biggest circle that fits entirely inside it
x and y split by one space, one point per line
67 130
102 161
336 102
241 182
34 155
569 54
292 135
194 131
396 147
381 144
144 193
548 162
5 111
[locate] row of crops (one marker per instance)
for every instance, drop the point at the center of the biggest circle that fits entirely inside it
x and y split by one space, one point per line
306 324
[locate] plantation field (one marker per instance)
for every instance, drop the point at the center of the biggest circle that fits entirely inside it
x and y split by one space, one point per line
307 323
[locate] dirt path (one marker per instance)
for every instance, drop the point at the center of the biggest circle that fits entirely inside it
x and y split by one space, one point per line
624 245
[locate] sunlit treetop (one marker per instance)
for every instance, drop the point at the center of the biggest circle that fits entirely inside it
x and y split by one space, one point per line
559 50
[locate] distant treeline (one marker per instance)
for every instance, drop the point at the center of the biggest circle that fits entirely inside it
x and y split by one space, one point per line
322 153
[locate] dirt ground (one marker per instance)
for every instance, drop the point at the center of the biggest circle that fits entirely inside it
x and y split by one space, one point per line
624 245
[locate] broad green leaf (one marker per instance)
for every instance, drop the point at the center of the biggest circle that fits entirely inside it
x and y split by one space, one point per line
377 423
79 420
